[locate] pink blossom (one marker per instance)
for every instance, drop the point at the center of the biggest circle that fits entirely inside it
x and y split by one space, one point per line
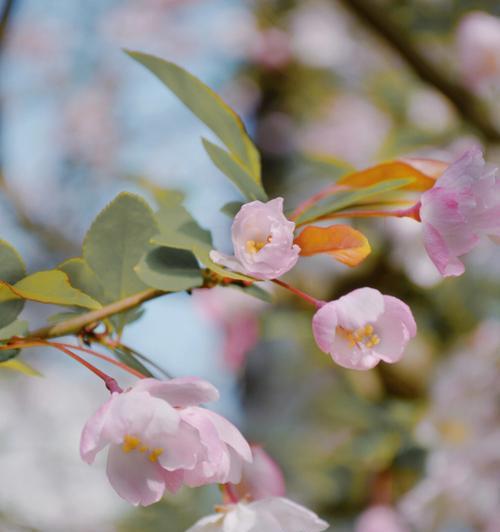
462 206
275 514
262 240
260 479
380 518
159 438
478 42
363 327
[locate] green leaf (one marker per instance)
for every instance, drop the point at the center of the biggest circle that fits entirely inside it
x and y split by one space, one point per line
51 287
21 367
12 269
231 209
16 328
209 107
229 165
115 243
255 291
178 229
342 200
169 269
128 357
82 277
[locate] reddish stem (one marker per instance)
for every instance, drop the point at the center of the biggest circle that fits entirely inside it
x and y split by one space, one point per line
412 212
228 494
310 299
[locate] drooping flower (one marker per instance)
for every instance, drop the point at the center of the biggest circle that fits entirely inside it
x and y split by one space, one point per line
275 514
159 438
363 327
462 206
262 240
261 478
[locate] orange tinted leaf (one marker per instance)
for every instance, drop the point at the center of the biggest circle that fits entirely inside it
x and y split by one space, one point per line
342 242
392 170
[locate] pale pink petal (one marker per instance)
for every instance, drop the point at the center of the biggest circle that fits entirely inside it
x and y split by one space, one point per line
447 264
229 262
291 516
173 480
231 435
262 478
324 325
394 328
380 519
134 477
241 519
211 523
180 392
181 450
359 307
93 438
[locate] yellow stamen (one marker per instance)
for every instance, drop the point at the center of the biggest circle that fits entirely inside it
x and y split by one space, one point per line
364 335
143 448
154 454
254 246
130 443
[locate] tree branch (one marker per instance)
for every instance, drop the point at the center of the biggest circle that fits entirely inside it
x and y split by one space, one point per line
75 325
471 108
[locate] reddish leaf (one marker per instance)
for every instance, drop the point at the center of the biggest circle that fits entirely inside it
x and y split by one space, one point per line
424 172
342 242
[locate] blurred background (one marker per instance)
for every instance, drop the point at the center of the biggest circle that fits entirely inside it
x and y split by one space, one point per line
414 446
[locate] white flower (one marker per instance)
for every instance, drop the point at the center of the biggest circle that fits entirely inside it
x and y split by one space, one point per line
275 514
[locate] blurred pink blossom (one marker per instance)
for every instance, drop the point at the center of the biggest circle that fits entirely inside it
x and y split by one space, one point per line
478 45
463 205
260 479
159 438
364 327
271 48
351 128
380 518
275 514
262 240
237 314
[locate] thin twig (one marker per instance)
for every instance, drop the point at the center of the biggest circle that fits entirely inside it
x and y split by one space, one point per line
471 108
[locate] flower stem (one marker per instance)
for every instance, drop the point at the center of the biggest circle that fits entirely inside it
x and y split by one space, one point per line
110 382
306 297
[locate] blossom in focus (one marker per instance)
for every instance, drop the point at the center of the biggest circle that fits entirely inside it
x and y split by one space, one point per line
462 206
380 518
160 438
262 240
274 514
363 327
478 43
260 479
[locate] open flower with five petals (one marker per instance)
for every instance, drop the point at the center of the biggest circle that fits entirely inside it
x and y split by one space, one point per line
160 438
263 241
363 327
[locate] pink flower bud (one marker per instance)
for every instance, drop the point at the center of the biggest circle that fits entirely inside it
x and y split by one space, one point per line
260 479
275 514
159 438
364 327
462 206
262 240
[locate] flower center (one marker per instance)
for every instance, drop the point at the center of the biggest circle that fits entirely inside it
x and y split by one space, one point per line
364 335
254 246
132 443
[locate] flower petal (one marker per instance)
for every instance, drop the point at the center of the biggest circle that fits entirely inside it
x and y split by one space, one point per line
134 477
447 264
93 437
395 328
180 392
359 307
